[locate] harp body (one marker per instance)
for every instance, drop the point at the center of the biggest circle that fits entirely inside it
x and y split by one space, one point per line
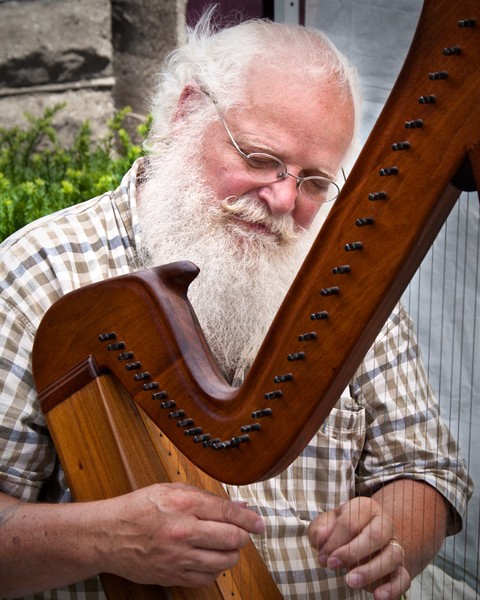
118 450
389 212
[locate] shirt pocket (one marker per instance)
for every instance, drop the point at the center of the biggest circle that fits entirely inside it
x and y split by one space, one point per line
345 431
329 462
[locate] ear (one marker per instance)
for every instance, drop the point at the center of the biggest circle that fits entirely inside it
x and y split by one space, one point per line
188 99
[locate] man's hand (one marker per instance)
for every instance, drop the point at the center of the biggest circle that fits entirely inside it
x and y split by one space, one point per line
174 534
166 534
359 538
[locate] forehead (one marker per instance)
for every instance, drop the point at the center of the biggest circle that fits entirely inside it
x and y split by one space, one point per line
309 124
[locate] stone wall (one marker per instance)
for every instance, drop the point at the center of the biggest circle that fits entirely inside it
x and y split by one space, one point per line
95 55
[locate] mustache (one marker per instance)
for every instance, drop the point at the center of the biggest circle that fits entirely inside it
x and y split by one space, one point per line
251 210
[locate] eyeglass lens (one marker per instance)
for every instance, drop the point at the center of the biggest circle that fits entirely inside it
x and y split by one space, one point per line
269 169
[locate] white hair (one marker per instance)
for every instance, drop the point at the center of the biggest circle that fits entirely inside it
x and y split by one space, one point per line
217 60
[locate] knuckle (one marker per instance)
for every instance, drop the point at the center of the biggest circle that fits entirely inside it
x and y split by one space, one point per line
229 560
236 538
179 532
210 578
229 511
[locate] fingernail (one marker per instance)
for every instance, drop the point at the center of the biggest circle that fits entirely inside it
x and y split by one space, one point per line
354 580
334 563
322 560
241 503
259 526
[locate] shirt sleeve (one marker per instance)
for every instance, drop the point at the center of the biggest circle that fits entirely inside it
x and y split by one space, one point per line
27 456
406 436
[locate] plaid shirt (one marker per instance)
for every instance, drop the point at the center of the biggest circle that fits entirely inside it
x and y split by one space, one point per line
385 426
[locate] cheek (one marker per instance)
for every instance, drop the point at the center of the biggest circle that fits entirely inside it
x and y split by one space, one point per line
305 213
226 181
219 174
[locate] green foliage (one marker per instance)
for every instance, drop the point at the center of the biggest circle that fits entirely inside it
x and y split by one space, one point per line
39 176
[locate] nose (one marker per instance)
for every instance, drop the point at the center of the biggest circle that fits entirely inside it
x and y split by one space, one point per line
281 196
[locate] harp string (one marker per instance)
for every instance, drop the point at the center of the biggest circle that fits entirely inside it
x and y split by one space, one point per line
180 469
443 300
444 297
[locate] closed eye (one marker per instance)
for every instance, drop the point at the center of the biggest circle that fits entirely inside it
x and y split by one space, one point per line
260 160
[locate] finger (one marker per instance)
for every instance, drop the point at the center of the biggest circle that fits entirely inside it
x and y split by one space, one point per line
399 583
385 566
197 579
320 529
198 565
190 578
332 529
369 541
347 522
208 507
224 511
218 536
210 561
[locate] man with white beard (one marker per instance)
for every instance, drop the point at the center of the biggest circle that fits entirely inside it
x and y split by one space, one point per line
251 126
175 199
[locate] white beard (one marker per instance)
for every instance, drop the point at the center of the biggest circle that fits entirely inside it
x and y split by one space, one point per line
245 273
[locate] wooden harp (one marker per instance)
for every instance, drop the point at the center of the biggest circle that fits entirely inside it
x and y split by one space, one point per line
423 148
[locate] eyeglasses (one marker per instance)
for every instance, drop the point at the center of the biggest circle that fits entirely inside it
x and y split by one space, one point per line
265 169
